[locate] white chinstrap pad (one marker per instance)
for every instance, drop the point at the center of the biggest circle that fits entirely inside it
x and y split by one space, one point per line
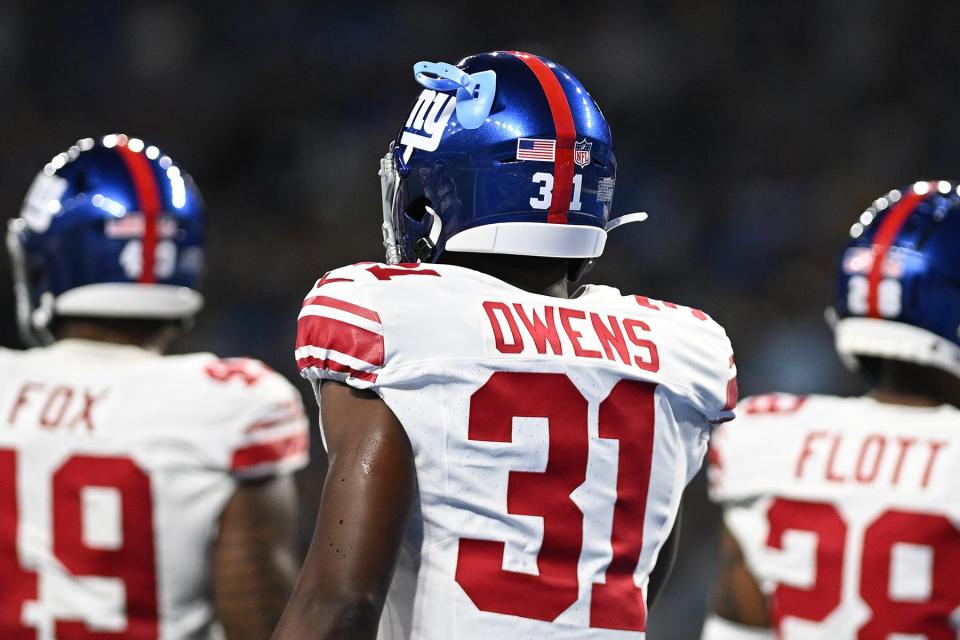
129 300
531 239
895 340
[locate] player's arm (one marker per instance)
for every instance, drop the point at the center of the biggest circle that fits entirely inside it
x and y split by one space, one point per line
739 608
664 567
366 501
254 559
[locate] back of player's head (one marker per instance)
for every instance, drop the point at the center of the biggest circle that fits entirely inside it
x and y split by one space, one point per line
899 286
504 153
110 228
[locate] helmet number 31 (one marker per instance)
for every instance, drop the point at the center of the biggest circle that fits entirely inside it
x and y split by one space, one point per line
545 198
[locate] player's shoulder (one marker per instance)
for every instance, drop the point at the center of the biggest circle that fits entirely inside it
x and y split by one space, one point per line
685 323
694 352
240 377
253 419
9 359
366 289
367 275
8 355
779 410
341 325
763 420
756 452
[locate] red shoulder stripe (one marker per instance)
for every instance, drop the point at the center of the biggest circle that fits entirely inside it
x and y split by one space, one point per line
275 422
272 451
343 305
333 365
733 392
327 333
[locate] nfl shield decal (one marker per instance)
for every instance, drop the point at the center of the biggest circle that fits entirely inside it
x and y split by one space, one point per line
581 153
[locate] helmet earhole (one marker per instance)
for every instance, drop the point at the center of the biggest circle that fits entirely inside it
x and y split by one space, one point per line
417 208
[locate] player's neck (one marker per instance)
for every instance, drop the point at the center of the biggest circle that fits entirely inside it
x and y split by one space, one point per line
894 396
128 333
544 276
915 386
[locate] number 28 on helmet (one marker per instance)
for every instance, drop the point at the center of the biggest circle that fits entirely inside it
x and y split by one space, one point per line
504 153
899 283
110 228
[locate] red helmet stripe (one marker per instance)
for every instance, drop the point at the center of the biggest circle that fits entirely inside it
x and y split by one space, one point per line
886 235
566 136
148 196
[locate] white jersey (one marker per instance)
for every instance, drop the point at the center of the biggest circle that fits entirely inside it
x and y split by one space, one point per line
847 511
115 466
553 439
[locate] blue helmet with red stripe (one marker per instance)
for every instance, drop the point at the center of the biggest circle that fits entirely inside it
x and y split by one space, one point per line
110 228
505 152
899 293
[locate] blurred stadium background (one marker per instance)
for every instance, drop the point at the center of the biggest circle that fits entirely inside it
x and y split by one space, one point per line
753 133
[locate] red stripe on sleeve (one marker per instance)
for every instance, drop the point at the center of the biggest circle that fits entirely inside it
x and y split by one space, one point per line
333 365
886 234
343 305
566 136
273 451
327 333
733 391
148 196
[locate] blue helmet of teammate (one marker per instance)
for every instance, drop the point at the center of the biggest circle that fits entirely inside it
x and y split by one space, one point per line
505 152
112 229
899 293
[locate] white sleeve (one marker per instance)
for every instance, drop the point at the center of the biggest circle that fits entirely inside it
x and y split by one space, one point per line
717 628
339 332
705 364
270 435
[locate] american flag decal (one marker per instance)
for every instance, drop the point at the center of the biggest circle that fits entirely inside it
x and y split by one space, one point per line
534 149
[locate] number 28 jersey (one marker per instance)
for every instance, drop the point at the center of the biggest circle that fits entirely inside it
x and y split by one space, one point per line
847 511
552 439
115 466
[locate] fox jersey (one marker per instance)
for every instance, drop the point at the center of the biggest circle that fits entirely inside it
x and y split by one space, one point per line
847 513
552 440
115 466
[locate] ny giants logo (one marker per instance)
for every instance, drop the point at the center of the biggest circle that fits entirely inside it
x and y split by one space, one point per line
427 122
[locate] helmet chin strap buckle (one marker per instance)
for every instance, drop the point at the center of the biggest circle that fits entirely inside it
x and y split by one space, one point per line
426 245
475 91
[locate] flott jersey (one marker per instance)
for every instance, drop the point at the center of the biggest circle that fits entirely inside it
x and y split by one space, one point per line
552 440
115 466
847 511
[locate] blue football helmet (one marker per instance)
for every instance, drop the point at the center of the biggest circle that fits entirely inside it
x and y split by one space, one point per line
111 229
505 152
899 289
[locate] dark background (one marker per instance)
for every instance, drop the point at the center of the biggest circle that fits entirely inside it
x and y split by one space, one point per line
754 133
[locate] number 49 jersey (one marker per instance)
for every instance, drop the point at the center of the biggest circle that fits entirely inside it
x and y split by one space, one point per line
115 467
847 511
552 439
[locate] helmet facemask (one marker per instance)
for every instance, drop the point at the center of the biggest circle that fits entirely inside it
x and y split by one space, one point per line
34 311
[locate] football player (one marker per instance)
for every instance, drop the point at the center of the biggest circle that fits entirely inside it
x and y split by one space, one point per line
841 516
142 495
506 459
